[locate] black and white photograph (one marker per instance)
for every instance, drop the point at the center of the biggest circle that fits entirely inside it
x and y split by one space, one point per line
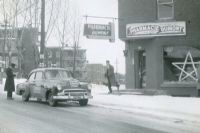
99 66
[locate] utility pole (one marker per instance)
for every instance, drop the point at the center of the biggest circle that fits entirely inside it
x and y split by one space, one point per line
42 42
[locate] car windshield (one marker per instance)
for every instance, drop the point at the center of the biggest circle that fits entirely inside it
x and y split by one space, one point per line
57 74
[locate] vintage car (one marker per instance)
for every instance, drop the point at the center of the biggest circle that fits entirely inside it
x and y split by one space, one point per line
53 85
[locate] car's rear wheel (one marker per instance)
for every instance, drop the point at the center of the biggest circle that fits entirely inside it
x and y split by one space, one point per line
51 101
25 96
83 102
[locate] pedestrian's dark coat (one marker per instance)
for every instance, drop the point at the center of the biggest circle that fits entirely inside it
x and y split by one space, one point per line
111 75
9 85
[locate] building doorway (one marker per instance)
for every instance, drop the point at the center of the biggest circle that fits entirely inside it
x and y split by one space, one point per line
140 69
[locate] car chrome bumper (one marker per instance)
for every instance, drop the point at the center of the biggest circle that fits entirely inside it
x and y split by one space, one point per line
67 97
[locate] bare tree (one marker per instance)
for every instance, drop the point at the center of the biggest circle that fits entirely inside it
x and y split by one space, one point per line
62 28
69 29
76 39
15 14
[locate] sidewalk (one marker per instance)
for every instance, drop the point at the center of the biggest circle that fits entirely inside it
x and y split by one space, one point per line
179 109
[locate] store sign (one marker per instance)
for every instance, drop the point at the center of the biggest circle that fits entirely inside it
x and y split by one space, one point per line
99 31
142 30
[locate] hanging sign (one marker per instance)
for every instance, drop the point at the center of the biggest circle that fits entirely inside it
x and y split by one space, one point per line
99 31
142 30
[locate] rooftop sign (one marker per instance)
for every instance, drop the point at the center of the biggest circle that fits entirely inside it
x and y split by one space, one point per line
142 30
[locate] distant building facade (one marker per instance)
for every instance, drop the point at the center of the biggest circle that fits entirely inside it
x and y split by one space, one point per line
19 46
96 73
161 44
66 57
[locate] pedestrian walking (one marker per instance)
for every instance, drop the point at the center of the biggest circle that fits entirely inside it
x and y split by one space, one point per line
110 75
10 84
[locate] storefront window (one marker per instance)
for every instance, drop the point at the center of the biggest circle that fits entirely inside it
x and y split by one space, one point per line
181 63
165 9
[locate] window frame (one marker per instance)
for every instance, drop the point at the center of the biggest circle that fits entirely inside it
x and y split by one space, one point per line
33 77
161 3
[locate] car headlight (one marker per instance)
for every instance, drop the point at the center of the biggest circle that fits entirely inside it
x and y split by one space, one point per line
59 87
89 86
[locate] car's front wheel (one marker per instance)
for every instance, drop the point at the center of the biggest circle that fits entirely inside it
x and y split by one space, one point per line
83 102
25 96
51 101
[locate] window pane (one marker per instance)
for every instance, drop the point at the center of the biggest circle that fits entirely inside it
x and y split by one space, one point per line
165 11
56 74
38 76
52 74
32 76
180 63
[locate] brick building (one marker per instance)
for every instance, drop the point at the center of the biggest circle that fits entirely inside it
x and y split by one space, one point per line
162 41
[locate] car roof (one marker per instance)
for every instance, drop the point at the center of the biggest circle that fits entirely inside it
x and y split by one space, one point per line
47 68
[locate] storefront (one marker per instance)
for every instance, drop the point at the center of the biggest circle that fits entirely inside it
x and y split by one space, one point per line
162 39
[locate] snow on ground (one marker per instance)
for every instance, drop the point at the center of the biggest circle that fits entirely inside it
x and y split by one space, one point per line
180 108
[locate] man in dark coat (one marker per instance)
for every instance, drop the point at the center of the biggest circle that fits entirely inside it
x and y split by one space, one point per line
110 75
10 85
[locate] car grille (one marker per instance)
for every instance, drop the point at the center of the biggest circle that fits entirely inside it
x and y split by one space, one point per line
74 90
76 94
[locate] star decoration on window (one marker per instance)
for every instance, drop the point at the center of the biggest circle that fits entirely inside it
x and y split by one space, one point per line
188 68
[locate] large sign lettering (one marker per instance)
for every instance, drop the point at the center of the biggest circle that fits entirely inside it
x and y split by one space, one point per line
99 31
143 30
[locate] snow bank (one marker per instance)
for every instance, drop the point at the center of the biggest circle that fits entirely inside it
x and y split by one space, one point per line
102 89
187 108
17 81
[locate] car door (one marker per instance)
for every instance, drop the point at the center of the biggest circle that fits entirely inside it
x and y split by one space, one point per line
39 84
31 82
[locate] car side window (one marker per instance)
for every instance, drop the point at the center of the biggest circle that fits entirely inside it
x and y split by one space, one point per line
39 76
32 77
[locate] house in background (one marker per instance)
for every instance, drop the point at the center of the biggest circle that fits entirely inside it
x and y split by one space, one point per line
68 58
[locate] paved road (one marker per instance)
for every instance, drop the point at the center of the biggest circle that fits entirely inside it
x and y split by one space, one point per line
37 117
